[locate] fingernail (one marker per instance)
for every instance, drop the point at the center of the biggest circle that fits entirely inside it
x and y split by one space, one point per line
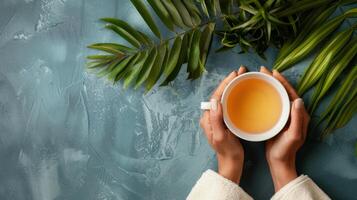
275 71
237 70
214 104
298 103
262 67
241 67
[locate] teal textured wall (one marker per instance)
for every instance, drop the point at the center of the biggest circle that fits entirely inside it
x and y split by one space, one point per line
64 134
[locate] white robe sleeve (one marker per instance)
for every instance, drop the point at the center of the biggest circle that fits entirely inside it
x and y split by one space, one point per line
300 188
212 186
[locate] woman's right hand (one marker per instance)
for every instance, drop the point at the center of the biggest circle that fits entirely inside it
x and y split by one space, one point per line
230 153
281 150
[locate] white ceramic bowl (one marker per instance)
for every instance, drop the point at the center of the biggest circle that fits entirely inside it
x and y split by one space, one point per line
283 117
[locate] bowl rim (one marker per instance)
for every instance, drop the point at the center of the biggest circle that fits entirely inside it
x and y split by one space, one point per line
256 137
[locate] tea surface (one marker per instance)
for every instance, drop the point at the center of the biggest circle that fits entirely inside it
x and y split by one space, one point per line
254 105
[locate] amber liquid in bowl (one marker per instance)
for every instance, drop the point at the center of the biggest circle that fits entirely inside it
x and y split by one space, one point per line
254 106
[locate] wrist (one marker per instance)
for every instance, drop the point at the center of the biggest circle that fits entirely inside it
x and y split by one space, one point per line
230 168
282 172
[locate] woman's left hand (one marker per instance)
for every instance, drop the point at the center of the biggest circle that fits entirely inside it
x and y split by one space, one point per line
230 153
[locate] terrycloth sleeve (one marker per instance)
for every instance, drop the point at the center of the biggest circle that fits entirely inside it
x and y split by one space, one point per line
300 188
212 186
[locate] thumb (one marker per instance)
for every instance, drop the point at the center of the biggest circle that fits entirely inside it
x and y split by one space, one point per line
216 120
297 117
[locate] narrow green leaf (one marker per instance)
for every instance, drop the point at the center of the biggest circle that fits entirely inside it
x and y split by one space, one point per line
347 113
190 37
194 56
204 7
212 6
309 43
277 20
194 12
125 26
125 35
113 48
132 72
175 15
127 68
198 72
173 57
335 118
157 67
180 61
269 30
145 14
205 41
252 21
103 57
341 94
190 5
228 42
315 95
313 20
98 63
268 4
185 15
249 9
323 60
145 70
350 13
149 42
339 64
161 11
119 68
111 66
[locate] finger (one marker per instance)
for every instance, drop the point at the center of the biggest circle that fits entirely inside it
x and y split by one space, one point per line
297 118
216 121
288 87
241 70
265 70
206 126
219 91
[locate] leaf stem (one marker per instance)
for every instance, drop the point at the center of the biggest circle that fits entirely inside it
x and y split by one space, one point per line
213 19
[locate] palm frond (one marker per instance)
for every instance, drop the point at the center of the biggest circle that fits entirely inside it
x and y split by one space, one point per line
147 60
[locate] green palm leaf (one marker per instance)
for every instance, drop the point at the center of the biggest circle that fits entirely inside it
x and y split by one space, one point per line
119 68
175 15
173 56
194 54
145 71
181 59
124 34
185 15
139 36
162 12
156 70
132 72
113 48
145 14
206 40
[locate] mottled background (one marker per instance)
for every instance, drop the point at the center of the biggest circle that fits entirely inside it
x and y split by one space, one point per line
64 134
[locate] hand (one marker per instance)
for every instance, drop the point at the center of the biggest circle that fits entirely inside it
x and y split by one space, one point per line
230 153
281 150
